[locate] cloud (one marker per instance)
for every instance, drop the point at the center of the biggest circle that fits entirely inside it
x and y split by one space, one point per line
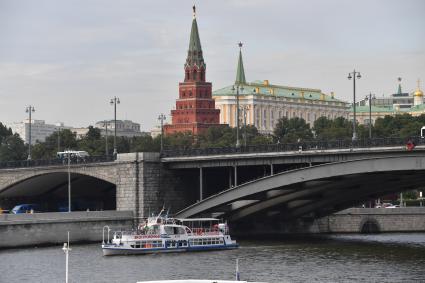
70 58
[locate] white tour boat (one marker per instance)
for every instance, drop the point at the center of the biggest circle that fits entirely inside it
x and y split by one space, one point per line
163 234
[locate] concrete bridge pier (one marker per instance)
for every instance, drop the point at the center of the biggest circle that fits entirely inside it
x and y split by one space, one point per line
144 185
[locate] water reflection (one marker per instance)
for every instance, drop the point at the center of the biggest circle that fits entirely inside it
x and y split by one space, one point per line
333 258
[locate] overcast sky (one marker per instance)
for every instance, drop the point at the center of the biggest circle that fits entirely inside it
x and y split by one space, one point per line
68 58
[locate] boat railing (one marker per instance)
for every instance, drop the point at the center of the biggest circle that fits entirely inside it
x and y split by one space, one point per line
204 231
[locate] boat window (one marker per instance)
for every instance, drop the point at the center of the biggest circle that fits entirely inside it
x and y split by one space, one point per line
169 230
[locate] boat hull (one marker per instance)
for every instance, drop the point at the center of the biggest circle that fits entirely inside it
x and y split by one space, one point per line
114 250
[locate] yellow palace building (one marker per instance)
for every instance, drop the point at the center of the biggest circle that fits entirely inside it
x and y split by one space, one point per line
262 104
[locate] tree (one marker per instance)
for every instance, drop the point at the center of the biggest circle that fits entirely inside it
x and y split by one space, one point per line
49 148
4 132
12 148
179 140
218 136
292 130
326 129
401 125
145 144
92 142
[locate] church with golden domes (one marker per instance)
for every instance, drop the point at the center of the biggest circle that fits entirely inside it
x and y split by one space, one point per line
398 103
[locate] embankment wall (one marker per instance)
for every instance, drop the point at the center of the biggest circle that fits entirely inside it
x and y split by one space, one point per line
17 230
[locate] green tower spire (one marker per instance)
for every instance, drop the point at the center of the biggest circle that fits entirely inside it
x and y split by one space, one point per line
194 54
240 73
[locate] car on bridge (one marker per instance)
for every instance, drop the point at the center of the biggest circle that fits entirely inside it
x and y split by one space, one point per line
26 208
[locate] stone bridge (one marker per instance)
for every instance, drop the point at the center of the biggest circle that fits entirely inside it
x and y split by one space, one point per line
315 191
131 183
272 182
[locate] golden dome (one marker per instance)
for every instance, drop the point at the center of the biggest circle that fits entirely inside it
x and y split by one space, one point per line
418 91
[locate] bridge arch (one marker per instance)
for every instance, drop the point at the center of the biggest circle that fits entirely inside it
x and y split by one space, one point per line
369 225
90 189
318 190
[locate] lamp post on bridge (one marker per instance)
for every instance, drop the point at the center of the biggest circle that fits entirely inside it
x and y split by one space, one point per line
354 73
105 124
244 109
161 118
29 110
69 155
369 98
114 101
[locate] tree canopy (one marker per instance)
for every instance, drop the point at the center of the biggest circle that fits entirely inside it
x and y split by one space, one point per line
287 130
292 130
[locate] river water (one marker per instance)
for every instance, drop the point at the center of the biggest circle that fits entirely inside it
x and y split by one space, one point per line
334 258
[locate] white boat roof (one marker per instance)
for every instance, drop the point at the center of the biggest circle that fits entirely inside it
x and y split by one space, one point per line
197 219
196 281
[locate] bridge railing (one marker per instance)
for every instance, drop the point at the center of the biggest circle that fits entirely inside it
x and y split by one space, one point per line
298 146
52 162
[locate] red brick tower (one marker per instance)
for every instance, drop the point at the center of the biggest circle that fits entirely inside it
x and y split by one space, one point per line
195 108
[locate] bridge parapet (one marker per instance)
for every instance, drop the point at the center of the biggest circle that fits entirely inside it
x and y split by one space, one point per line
54 162
291 147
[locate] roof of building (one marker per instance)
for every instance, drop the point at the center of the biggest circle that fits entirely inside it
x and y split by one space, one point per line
389 109
264 88
240 73
194 54
374 109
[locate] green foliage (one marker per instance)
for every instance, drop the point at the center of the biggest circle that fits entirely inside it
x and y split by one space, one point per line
92 142
12 148
286 131
292 130
410 195
403 126
4 132
219 136
179 140
145 144
11 145
339 128
49 148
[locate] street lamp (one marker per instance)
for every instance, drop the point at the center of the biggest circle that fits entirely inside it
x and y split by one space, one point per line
115 101
237 88
59 138
29 110
354 73
369 98
161 118
244 109
105 124
68 156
